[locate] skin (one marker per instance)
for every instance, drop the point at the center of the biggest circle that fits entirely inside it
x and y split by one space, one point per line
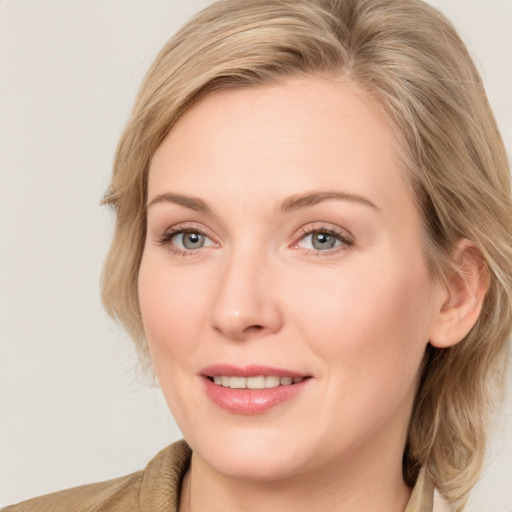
356 318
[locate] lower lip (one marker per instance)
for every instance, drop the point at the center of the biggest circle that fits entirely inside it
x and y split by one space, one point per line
251 401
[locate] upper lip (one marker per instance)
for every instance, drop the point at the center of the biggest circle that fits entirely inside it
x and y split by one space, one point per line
252 370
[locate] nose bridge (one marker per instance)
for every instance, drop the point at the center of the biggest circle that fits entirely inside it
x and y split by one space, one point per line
244 304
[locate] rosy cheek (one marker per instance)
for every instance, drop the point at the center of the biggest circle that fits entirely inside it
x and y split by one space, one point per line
172 304
358 312
154 304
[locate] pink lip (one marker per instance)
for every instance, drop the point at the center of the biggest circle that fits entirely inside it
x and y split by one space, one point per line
250 401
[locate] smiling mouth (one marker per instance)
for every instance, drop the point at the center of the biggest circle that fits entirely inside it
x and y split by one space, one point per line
257 382
252 389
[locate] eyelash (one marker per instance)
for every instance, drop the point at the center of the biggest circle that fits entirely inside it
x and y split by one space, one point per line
346 240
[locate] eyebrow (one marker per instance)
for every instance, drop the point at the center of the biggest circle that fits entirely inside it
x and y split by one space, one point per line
293 203
297 202
193 203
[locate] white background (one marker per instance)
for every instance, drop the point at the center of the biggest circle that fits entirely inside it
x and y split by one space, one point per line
73 409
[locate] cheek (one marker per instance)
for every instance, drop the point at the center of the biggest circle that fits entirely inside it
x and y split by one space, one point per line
172 306
173 312
368 330
367 321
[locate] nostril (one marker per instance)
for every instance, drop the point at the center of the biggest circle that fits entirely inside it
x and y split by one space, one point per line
254 328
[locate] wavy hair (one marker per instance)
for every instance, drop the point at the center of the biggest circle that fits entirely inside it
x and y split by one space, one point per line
407 57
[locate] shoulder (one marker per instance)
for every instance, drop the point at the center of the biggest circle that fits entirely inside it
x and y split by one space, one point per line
86 498
154 488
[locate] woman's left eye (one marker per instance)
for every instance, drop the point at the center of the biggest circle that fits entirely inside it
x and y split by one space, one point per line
322 240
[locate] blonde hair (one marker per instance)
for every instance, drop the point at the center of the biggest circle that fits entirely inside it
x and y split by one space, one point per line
405 55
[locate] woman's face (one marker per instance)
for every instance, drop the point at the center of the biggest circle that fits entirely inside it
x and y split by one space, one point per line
282 243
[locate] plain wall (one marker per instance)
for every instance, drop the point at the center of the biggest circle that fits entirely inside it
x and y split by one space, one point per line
72 407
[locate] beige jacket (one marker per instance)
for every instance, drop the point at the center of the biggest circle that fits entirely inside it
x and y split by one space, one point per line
157 488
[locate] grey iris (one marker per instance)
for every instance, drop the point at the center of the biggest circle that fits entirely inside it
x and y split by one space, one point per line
322 241
193 240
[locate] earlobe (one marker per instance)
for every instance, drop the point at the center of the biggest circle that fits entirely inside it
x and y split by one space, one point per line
464 292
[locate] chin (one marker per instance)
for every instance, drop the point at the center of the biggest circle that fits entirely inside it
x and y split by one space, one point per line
253 454
257 466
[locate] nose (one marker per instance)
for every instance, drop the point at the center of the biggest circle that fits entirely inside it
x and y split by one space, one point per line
245 303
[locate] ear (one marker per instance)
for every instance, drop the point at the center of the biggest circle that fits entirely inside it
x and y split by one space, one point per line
462 297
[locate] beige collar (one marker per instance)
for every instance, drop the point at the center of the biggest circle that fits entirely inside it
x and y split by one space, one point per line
422 497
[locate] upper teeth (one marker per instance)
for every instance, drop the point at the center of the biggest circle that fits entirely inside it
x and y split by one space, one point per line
259 382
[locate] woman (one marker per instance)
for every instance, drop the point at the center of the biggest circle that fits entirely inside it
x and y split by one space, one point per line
312 247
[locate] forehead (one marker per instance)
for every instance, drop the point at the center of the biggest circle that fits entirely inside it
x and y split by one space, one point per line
267 142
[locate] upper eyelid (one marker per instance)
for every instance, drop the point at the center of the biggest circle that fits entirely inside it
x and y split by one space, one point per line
186 228
324 226
162 226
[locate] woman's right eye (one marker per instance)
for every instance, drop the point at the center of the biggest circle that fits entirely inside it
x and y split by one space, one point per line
184 240
189 241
